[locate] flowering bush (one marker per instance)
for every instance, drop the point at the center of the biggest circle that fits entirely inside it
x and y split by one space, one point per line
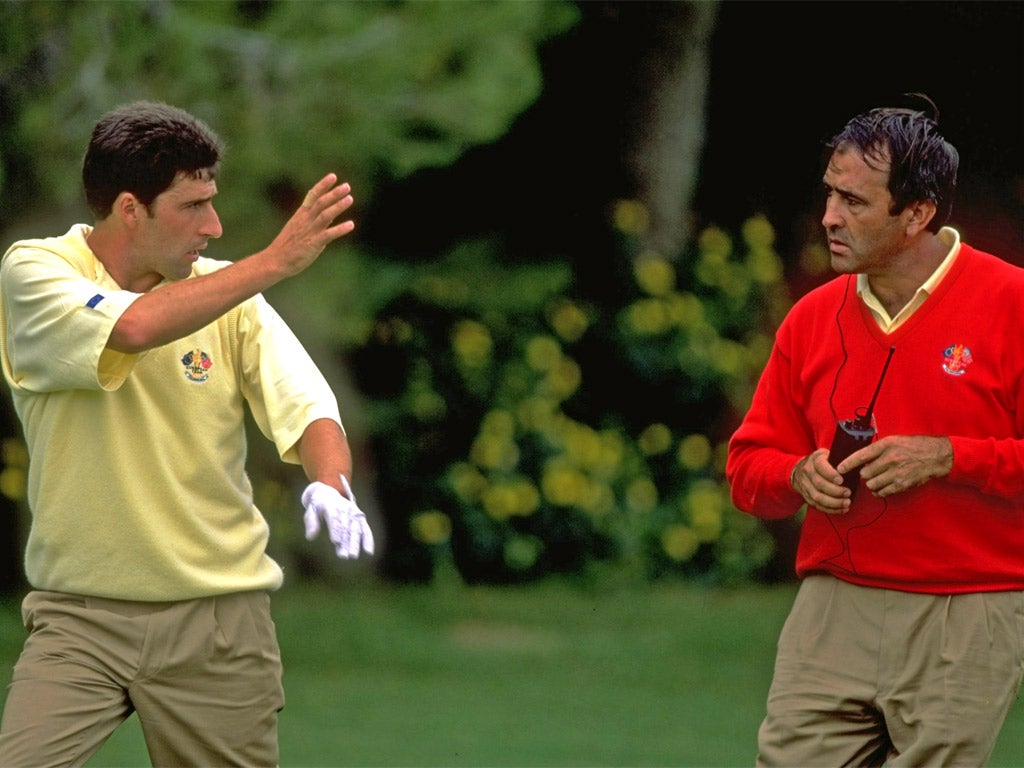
522 430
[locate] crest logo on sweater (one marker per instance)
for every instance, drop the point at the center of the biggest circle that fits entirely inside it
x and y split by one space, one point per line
955 359
197 365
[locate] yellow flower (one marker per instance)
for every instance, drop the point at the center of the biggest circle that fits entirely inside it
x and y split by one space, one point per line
734 281
582 445
467 481
694 452
684 310
630 217
536 413
564 378
705 506
527 496
472 343
431 527
12 483
641 495
427 405
499 500
569 321
654 275
655 439
714 244
612 455
598 499
14 453
492 452
562 484
764 265
679 542
543 353
498 423
727 356
758 232
647 317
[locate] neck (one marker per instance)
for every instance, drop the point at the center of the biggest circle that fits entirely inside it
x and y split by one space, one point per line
113 250
896 285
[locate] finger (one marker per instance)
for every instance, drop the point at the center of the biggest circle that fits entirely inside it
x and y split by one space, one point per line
347 487
320 189
367 538
353 537
342 544
312 521
882 487
338 230
327 211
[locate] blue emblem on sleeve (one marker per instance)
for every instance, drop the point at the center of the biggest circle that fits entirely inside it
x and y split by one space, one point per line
91 303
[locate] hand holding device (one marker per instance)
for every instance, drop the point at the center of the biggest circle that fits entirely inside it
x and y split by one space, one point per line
346 524
853 434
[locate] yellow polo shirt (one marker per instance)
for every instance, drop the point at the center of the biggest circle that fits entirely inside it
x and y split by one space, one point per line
137 481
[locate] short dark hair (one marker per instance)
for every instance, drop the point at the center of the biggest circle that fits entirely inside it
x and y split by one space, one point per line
922 165
141 148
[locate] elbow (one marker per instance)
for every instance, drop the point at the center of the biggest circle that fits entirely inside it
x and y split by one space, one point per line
129 337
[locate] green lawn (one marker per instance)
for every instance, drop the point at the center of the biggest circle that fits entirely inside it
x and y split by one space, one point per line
546 675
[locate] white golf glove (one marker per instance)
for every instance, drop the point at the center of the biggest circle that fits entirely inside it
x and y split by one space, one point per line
346 523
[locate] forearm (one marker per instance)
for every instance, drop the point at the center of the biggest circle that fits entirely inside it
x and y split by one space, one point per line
991 465
324 452
182 307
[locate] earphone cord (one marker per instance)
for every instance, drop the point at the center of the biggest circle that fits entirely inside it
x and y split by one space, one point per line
844 541
842 346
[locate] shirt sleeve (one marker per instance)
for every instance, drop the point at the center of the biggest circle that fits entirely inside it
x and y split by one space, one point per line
285 389
767 445
56 323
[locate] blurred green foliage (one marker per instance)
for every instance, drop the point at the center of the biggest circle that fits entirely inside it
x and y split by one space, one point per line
496 454
372 90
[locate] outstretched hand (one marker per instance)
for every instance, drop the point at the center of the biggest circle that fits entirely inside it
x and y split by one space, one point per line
312 227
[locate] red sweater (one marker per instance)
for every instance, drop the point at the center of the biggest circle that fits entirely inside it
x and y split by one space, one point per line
958 370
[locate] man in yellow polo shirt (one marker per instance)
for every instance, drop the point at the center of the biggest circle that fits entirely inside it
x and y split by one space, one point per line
131 359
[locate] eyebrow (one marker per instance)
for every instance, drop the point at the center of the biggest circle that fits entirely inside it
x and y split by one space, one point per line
201 199
847 193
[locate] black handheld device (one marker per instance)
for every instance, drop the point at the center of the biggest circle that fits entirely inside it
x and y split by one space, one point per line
853 434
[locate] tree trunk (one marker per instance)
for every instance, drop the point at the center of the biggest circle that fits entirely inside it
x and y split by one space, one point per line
665 145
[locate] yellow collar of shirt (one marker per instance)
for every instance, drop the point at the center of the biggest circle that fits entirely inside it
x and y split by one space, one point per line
889 324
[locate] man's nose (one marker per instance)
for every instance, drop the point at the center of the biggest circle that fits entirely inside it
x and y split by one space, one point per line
212 227
831 218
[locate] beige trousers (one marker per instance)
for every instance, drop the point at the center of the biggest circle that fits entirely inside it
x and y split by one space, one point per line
871 676
204 676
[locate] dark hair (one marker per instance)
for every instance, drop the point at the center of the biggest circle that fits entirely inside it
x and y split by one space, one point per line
922 165
141 148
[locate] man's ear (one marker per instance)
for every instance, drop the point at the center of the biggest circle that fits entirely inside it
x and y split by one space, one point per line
920 213
128 208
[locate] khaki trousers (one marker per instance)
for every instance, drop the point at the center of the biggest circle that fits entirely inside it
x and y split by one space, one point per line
871 676
204 676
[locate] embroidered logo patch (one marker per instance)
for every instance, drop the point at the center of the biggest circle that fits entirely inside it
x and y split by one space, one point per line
955 359
91 303
197 365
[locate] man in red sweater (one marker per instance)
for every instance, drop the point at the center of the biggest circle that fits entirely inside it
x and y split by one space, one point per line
905 644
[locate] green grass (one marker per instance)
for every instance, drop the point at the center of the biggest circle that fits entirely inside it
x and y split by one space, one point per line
546 675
